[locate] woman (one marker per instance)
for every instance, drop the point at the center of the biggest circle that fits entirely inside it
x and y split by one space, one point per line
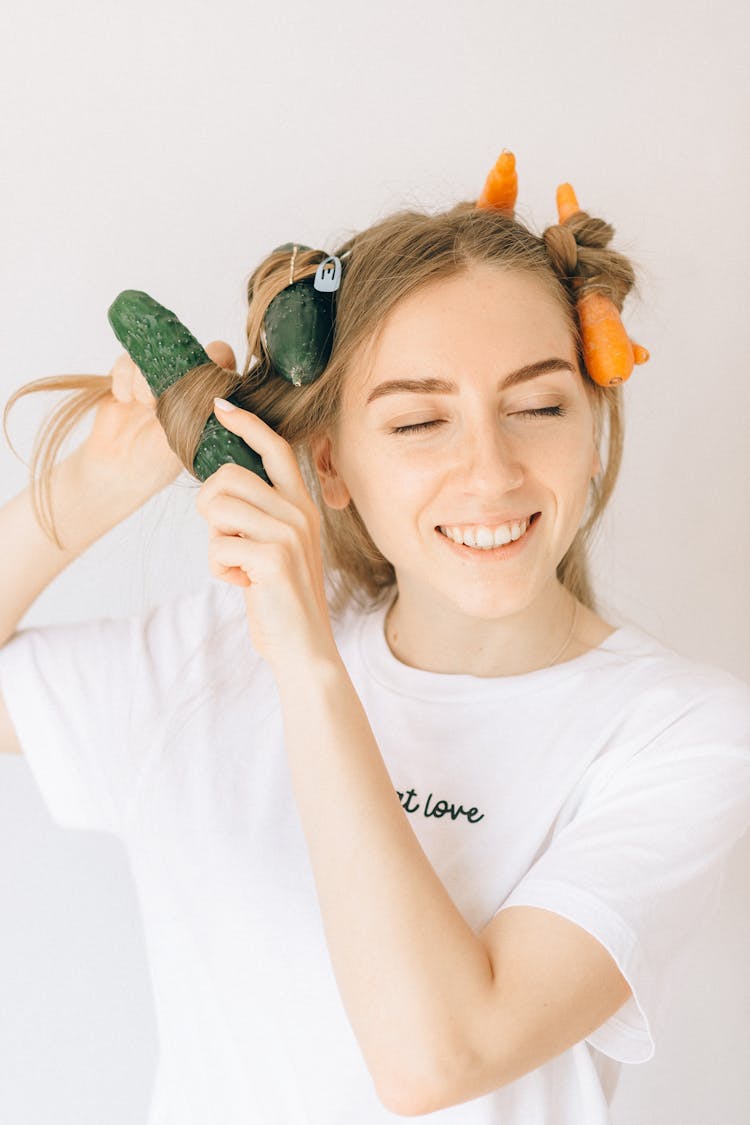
436 836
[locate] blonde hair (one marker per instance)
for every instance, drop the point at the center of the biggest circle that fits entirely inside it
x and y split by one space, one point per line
385 262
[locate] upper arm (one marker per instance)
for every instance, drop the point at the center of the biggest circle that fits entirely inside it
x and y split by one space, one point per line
554 983
9 743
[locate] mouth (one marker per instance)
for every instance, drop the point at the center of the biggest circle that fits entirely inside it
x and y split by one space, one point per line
504 550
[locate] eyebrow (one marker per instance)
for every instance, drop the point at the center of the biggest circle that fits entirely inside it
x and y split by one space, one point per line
446 387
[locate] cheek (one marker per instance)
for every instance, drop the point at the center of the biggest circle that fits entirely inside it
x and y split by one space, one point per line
572 452
578 483
390 507
567 473
381 478
369 485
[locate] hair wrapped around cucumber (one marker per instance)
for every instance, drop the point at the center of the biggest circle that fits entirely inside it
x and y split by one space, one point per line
161 346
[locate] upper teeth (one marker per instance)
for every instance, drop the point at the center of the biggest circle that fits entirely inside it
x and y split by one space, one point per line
486 537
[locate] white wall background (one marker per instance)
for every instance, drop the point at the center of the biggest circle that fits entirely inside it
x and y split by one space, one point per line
168 146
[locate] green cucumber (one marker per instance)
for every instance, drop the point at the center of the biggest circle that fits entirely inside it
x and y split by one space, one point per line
290 246
298 329
161 346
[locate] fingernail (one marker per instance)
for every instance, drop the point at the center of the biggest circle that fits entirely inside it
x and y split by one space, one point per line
222 404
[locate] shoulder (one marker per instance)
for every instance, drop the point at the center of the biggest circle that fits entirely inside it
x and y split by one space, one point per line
700 681
187 612
193 629
696 707
648 696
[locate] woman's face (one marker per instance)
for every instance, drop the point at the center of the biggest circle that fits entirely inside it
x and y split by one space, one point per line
483 459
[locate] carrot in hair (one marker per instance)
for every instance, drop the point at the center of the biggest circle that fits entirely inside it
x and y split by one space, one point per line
608 352
567 204
501 186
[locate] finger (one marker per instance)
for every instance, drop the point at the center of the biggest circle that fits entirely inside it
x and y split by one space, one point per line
129 382
231 479
259 562
222 567
122 378
233 574
276 453
232 516
220 352
141 390
229 564
230 510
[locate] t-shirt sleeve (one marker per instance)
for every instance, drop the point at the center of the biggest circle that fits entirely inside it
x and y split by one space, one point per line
84 696
641 862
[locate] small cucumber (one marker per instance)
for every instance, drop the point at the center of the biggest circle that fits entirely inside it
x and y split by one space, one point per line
298 329
161 346
290 246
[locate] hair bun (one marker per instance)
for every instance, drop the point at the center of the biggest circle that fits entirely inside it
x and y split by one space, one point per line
562 249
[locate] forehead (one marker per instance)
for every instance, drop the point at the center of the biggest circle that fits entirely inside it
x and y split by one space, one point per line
482 319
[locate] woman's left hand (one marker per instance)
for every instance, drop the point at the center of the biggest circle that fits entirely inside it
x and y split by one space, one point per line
268 539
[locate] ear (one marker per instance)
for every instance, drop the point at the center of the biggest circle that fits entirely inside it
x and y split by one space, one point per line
334 490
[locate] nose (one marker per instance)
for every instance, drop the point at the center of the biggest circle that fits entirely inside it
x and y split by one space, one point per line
489 458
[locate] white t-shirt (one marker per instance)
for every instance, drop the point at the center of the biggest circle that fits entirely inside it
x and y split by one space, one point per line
609 789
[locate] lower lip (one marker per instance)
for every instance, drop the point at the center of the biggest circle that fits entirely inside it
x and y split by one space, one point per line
506 551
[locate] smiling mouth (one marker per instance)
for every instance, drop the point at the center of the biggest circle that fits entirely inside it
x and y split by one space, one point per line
532 520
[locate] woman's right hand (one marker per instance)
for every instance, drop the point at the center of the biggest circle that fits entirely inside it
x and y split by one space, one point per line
127 436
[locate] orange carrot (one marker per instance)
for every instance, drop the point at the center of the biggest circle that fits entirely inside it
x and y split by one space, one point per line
501 186
608 352
567 204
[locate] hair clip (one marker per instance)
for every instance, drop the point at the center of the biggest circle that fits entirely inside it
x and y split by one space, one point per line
328 275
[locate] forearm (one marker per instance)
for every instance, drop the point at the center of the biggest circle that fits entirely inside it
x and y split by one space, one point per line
85 505
407 963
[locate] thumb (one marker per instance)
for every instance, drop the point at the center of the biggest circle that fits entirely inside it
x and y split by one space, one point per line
221 353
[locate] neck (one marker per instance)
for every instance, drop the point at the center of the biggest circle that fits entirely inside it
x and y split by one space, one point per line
532 639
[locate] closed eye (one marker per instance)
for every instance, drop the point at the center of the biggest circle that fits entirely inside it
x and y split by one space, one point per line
548 411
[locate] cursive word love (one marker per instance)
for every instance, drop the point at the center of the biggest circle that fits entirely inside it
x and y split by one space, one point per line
437 808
